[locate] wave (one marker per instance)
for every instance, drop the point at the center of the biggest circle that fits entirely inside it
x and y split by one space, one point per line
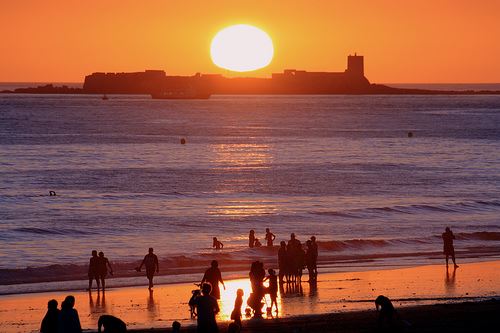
480 235
45 231
458 207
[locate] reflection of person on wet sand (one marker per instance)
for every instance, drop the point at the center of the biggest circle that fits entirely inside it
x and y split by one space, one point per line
270 237
151 263
448 248
102 269
111 324
214 276
207 309
217 244
251 238
49 322
450 281
93 270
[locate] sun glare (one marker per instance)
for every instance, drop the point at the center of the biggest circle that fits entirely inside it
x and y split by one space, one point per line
242 48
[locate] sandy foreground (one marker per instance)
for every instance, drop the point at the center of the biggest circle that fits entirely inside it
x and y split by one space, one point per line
338 303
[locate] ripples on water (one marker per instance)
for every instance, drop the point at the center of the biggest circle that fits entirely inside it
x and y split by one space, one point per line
339 167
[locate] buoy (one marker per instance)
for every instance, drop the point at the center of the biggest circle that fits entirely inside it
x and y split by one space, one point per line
410 134
52 193
183 141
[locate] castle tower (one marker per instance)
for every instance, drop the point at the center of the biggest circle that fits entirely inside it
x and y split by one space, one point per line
355 65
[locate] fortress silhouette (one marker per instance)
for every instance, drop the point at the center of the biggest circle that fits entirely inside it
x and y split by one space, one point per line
289 82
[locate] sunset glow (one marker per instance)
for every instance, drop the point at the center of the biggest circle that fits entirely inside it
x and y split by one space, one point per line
242 48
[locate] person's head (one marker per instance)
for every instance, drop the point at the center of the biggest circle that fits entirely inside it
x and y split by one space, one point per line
69 302
52 304
308 243
101 254
267 229
240 292
206 288
94 253
271 271
215 239
150 250
214 264
447 229
283 244
176 326
233 328
252 232
292 236
313 238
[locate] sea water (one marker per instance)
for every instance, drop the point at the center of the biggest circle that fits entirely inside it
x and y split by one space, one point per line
342 168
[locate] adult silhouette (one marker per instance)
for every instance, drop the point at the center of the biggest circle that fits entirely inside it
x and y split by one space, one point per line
448 248
50 321
282 261
251 238
69 321
102 269
150 261
93 270
207 309
385 309
270 237
213 276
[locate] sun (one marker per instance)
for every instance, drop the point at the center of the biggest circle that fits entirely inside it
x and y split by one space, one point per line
242 48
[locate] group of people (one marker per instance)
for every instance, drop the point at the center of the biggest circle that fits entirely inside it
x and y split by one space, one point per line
254 241
66 319
98 270
292 258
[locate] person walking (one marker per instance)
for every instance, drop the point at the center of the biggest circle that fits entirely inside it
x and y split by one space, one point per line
448 248
150 261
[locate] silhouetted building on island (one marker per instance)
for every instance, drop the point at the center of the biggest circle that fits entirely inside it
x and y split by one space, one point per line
291 81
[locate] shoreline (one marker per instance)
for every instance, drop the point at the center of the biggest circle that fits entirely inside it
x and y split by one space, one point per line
335 293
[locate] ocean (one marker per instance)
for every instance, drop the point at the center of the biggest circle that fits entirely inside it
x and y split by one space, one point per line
341 168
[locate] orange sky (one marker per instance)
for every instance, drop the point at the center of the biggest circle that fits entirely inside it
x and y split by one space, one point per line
402 41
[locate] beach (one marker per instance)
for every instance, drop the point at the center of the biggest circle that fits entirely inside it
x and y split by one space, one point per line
338 295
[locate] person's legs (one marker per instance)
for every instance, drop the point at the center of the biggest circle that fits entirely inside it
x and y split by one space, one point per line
453 258
103 284
446 259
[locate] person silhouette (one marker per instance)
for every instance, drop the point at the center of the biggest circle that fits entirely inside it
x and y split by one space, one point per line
102 269
207 309
213 276
311 261
282 261
257 243
69 321
152 265
217 244
385 309
448 248
314 248
111 324
93 270
50 321
238 303
273 288
251 238
270 237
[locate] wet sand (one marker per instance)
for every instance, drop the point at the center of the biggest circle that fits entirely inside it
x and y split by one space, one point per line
338 295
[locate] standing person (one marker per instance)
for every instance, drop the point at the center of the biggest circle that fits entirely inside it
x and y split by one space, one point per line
69 321
251 238
282 261
207 309
310 261
314 247
151 263
270 237
111 324
50 321
102 269
93 270
273 288
217 244
448 247
214 276
238 303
